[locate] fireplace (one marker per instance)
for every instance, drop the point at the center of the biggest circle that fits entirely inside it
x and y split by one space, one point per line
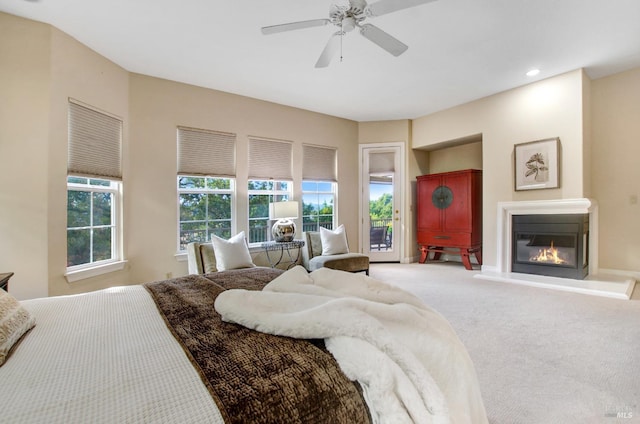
555 245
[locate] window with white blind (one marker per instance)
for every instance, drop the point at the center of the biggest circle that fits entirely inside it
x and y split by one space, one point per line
206 185
319 187
94 190
270 180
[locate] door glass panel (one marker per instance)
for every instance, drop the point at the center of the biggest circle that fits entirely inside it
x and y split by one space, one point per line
381 212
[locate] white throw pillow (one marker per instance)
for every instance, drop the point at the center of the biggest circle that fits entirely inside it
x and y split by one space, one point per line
15 322
232 253
334 242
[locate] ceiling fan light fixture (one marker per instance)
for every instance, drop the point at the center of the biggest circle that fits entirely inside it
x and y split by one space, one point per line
348 24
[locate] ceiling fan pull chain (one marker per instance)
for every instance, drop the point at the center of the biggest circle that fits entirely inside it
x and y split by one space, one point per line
341 37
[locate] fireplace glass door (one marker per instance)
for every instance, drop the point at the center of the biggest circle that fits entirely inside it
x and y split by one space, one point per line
546 249
552 245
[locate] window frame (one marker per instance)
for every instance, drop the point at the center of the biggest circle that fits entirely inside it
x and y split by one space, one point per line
333 192
95 268
275 195
205 190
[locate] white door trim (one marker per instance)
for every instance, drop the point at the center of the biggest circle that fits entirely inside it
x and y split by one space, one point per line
399 232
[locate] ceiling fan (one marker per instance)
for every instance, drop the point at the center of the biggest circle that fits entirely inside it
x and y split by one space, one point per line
347 18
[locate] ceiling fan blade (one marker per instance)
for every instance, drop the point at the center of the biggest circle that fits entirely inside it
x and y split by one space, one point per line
330 50
382 39
382 7
273 29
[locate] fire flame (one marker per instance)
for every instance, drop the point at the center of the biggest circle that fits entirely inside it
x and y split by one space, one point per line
548 254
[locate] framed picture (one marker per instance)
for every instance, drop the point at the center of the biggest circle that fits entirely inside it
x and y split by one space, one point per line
537 164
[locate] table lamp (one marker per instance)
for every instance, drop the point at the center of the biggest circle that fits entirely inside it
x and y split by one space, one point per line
284 228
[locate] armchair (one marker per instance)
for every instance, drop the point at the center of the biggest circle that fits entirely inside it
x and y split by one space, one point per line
312 257
201 258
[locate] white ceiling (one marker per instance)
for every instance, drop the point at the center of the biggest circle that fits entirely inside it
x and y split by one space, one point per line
459 50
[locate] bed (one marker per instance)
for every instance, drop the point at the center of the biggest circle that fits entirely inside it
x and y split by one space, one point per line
226 347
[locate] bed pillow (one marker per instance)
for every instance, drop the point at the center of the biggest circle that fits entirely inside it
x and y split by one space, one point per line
15 321
334 242
232 253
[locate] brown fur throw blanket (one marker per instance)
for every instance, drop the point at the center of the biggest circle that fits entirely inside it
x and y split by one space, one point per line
255 377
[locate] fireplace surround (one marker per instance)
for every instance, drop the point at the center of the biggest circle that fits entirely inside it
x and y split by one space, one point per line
616 285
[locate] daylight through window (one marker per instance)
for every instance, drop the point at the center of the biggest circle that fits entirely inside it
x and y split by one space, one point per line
91 220
261 193
206 207
318 200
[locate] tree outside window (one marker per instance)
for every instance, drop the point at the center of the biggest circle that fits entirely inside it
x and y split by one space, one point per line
318 200
261 194
91 223
205 208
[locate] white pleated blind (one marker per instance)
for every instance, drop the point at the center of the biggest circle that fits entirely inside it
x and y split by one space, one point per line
381 163
319 163
206 153
270 159
95 143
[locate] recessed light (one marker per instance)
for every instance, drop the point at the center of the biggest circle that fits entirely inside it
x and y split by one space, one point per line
533 72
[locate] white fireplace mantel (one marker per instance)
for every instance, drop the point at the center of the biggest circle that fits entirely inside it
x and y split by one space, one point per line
506 210
619 287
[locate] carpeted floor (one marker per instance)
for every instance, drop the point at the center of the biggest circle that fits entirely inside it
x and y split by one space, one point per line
542 356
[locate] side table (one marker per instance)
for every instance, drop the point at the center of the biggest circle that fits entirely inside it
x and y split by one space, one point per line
280 247
4 280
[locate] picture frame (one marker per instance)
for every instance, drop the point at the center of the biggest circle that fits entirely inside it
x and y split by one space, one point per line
537 164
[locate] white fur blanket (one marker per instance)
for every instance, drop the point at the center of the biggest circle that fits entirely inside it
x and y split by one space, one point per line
405 355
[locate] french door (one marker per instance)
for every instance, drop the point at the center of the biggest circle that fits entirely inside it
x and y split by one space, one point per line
381 185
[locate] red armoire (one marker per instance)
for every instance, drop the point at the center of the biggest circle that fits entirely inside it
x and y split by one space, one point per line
449 215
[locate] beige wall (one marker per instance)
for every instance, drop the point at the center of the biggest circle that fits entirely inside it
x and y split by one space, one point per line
79 73
399 131
615 173
158 106
41 69
25 82
549 108
456 158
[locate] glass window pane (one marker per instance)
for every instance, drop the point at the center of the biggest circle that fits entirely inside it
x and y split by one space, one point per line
218 183
309 186
219 206
193 231
258 206
317 205
220 228
193 207
259 230
103 183
259 185
76 180
101 244
78 208
78 247
191 182
102 209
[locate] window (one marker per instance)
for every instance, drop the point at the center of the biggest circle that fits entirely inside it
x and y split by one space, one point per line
319 186
206 184
94 192
261 194
206 207
92 206
318 200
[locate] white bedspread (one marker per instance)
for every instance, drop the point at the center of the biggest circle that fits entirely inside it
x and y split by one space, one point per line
411 364
101 357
